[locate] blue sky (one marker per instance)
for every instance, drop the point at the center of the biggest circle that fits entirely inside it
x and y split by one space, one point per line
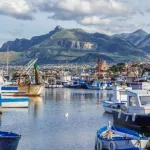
27 18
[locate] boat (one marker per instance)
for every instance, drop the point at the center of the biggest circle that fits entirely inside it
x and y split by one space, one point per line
117 138
97 86
14 102
76 84
11 90
28 83
118 100
11 98
31 90
137 113
109 86
9 140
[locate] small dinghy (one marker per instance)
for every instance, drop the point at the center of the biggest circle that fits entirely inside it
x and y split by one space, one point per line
9 140
116 138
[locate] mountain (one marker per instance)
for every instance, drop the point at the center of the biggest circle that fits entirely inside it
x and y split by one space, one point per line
75 46
139 38
145 44
134 37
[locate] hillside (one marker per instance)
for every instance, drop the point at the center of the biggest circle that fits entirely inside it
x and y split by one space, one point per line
134 37
139 38
75 46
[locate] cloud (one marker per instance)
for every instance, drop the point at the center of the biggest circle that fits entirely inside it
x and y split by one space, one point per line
94 20
82 8
108 15
18 9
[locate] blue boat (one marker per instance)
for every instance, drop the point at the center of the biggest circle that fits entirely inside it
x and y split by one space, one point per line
117 138
9 140
14 102
10 98
11 91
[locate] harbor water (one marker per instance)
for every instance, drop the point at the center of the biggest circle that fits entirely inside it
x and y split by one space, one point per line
62 119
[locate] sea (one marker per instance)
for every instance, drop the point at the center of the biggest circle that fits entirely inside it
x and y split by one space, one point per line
62 119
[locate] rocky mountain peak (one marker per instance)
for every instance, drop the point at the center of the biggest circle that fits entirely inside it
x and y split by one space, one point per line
58 28
141 32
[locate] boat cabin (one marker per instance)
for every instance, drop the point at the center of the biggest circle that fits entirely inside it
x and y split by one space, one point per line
119 94
138 101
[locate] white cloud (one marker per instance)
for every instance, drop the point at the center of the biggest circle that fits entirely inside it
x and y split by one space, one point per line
18 9
94 20
82 8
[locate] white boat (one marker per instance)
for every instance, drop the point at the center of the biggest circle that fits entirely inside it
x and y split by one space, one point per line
117 138
14 102
97 86
8 90
137 112
118 100
9 100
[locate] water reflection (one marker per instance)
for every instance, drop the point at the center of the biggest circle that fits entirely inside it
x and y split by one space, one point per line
44 125
36 106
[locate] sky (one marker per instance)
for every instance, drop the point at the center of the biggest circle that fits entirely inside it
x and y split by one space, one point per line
28 18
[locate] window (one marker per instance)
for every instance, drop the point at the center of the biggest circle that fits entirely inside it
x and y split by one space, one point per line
132 101
145 100
123 93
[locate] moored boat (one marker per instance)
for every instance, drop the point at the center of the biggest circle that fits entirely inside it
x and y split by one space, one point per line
117 138
137 112
97 86
14 102
9 140
31 90
118 100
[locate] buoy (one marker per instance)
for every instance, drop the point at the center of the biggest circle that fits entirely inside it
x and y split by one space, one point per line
66 115
112 145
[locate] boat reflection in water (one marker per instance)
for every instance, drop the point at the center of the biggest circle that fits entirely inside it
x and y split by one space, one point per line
35 105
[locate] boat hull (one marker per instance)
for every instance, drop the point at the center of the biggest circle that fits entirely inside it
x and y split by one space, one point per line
141 121
9 141
109 106
31 90
124 144
114 137
14 102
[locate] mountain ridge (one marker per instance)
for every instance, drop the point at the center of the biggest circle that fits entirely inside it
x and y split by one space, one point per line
75 46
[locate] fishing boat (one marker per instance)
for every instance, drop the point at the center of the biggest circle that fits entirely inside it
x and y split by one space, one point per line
10 90
118 100
117 138
28 82
75 84
97 86
9 140
137 112
31 90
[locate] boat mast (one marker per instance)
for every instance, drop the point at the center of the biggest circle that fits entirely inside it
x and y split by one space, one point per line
7 58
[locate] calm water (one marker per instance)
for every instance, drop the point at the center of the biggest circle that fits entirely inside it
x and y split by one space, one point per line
44 126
